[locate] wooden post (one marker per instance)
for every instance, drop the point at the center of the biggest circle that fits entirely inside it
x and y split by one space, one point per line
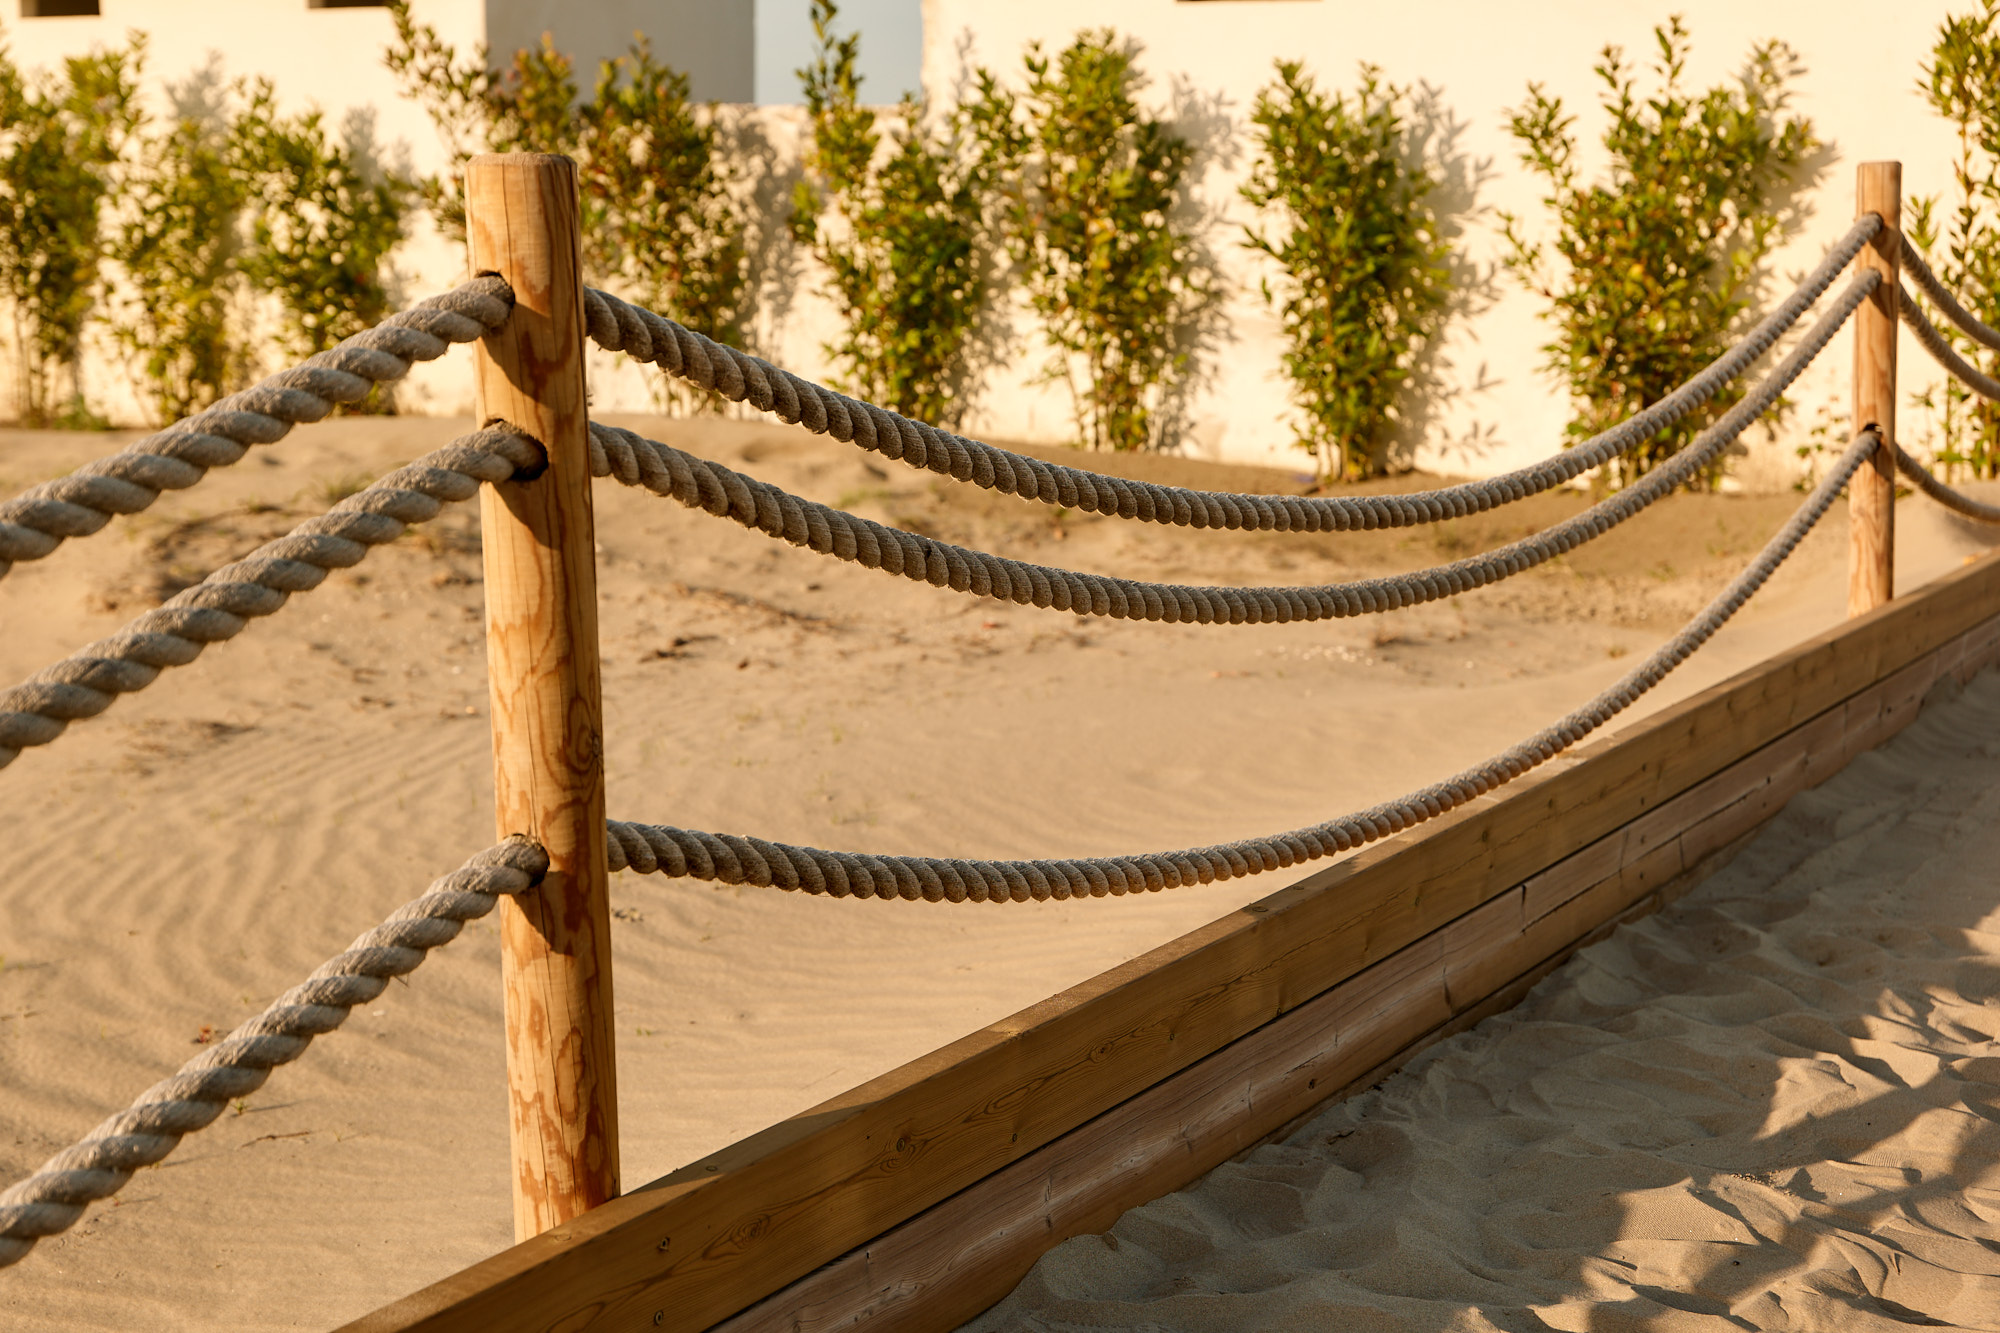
1871 495
542 663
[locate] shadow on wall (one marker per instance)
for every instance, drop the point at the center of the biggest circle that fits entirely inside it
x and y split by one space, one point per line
1775 1105
765 171
1435 143
1204 119
1793 207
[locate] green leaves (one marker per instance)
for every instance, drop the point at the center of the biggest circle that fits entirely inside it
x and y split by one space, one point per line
1366 278
660 191
1962 84
658 213
178 244
1091 224
902 234
323 221
1654 269
61 141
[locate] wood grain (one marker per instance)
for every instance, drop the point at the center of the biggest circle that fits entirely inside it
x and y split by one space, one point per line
1871 495
542 654
716 1237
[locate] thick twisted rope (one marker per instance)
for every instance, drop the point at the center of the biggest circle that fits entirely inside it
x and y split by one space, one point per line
38 520
1933 341
740 377
98 1165
86 682
1956 501
731 859
1968 323
723 492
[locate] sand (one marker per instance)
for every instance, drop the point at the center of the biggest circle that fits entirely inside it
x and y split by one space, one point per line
1775 1105
168 868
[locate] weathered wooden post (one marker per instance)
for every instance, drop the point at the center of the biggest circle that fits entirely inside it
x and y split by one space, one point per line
542 662
1871 495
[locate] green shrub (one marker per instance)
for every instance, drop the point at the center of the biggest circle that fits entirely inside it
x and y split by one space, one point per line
1114 274
179 244
1366 276
1962 83
655 190
61 140
323 221
661 190
902 234
529 107
1657 267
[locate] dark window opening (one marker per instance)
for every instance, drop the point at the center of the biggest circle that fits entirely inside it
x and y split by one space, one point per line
59 9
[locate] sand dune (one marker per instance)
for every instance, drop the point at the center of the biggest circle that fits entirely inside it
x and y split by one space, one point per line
168 868
1774 1106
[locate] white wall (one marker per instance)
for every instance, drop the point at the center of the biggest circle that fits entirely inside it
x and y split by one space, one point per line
1498 410
1859 90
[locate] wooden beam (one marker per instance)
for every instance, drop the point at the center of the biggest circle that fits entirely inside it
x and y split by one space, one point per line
1871 495
716 1237
542 667
952 1261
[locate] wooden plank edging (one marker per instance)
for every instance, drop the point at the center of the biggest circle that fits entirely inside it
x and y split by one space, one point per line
954 1260
722 1234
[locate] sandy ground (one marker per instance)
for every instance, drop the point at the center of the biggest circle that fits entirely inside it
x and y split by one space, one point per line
1774 1106
169 867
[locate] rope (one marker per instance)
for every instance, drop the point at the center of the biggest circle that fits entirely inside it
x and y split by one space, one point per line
98 1165
38 520
1968 323
725 493
620 327
1956 501
84 684
1941 351
1933 341
680 853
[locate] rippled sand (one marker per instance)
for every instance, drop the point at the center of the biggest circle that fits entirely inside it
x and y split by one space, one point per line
168 868
1774 1106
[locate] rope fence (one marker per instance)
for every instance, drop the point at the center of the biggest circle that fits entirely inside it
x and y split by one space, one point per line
739 377
88 681
678 853
36 522
100 1164
758 505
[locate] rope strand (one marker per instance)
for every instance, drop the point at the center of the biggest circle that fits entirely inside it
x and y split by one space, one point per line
34 523
681 853
86 682
739 377
99 1164
1968 323
725 493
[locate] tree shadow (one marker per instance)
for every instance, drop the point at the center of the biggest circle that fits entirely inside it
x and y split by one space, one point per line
1205 119
1434 143
762 174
